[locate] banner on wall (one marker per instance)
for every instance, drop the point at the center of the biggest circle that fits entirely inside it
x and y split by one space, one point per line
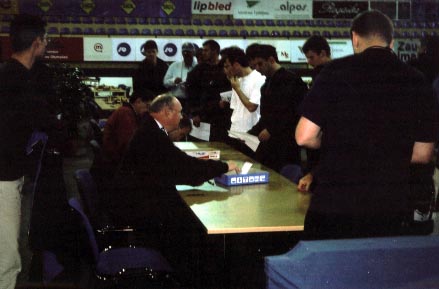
219 7
338 9
406 49
117 8
65 49
339 48
274 9
9 7
98 49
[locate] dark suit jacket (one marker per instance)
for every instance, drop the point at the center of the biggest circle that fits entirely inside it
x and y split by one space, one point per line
152 166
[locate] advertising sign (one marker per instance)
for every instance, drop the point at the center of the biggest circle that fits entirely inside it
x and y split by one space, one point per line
338 9
252 9
118 8
220 7
65 49
292 9
339 48
123 49
406 49
98 49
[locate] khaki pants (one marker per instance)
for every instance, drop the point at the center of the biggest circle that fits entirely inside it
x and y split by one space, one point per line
10 212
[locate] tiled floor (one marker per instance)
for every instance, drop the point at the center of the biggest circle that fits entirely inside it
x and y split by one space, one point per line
84 161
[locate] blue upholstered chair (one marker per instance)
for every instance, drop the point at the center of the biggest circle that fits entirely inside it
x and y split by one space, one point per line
292 172
124 265
391 262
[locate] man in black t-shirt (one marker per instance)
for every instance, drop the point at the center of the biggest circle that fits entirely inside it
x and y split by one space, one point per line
281 95
203 86
19 116
371 115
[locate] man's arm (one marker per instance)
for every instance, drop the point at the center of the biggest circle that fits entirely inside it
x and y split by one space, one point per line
308 134
422 152
251 107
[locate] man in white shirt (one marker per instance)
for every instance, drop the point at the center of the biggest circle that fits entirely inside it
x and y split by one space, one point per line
177 72
246 90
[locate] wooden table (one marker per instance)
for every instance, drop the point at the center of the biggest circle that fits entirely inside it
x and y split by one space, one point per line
241 226
273 207
104 105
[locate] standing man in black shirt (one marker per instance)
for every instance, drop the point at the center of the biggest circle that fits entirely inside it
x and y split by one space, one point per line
204 85
371 115
281 95
148 79
18 118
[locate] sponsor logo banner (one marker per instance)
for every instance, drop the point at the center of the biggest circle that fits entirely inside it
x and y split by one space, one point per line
118 8
65 49
98 49
223 7
274 9
339 48
338 9
292 9
406 49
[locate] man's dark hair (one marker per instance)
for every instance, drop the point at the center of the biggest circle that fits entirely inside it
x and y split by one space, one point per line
317 44
264 51
235 54
144 95
150 44
24 29
373 23
161 101
213 45
251 50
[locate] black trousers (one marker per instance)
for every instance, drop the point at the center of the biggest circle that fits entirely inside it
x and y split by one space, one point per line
320 226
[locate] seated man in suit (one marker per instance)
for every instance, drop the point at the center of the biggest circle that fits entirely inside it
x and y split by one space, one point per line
145 192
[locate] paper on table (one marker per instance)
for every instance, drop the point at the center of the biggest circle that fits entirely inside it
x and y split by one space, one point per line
206 187
246 168
250 140
226 95
184 145
202 132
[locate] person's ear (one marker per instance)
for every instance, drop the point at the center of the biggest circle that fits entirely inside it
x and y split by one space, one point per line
355 41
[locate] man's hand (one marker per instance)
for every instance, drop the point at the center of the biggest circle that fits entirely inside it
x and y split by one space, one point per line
264 135
233 167
177 80
305 182
234 81
196 120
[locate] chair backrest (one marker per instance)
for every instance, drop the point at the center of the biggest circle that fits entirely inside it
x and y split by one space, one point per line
89 194
393 262
96 129
292 172
76 206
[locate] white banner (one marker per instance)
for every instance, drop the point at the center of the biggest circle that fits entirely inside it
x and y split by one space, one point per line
273 9
97 49
291 9
339 48
219 7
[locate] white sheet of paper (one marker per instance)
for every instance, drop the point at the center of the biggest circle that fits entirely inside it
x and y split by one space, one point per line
202 132
183 145
250 140
246 168
206 187
226 95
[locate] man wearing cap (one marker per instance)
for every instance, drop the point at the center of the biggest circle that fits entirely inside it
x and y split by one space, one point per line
177 72
148 79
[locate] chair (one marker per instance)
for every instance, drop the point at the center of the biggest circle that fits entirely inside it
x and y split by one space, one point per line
392 262
101 31
146 31
212 33
96 130
168 32
179 32
292 172
125 264
134 31
88 31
